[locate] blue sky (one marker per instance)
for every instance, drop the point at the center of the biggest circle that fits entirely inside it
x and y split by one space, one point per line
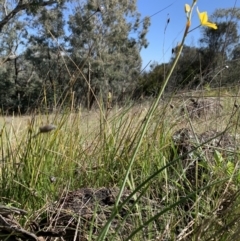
160 44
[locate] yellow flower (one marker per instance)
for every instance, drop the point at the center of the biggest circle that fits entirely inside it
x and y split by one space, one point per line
204 20
187 8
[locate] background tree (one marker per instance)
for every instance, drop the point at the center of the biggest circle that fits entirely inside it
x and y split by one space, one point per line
43 61
45 53
150 82
217 45
19 82
214 62
106 39
11 10
187 70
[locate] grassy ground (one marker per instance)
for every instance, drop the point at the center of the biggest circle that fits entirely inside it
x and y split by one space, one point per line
94 149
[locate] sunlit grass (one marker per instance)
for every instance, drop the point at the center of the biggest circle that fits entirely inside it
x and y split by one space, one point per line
89 150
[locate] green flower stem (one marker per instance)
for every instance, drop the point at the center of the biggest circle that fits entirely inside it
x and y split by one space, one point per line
153 107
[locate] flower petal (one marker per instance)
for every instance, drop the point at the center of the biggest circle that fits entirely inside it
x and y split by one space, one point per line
203 17
210 25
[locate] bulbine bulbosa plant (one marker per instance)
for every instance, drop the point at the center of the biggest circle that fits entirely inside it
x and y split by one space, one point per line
203 17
